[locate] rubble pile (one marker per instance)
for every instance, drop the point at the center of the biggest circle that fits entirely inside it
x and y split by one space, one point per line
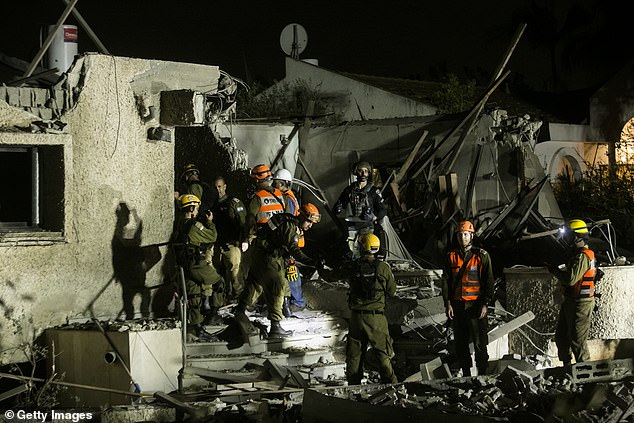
513 395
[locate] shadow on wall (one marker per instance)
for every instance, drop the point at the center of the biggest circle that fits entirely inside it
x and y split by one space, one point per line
131 262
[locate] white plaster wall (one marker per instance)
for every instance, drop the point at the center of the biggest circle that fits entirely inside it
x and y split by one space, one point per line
262 143
536 290
371 102
111 162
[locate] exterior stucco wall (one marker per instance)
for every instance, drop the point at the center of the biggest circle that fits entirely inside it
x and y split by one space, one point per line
536 290
612 106
109 162
357 101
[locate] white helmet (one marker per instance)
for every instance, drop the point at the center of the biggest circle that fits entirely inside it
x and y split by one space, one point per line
284 175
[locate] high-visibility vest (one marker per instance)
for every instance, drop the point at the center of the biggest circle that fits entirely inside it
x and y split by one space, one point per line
293 204
301 242
584 288
270 204
468 287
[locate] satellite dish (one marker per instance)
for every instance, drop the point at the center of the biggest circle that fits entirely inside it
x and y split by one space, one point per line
293 40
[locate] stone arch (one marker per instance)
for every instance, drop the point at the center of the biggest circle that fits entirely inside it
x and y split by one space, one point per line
566 159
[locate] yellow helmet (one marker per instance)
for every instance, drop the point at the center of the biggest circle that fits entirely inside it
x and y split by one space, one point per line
578 226
189 200
369 243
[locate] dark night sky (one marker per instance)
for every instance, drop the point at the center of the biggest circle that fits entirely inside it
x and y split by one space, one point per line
589 38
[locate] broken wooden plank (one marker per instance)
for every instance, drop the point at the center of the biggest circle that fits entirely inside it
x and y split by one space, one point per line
13 392
507 327
75 385
195 412
222 376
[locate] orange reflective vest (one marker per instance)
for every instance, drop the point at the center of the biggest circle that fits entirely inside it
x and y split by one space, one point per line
291 200
584 288
301 242
270 204
468 287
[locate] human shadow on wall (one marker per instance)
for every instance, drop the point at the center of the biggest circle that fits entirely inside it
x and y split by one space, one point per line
131 262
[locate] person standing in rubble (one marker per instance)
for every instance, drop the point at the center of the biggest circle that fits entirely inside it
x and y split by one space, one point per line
229 217
364 207
467 289
278 240
203 284
577 287
293 300
370 280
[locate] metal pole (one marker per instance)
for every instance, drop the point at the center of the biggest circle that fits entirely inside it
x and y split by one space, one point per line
88 30
49 39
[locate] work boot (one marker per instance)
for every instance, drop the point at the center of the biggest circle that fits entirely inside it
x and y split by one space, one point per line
286 307
277 331
201 333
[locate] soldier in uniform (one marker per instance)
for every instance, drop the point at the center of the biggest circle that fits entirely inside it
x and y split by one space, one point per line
267 275
370 281
467 289
229 217
203 284
577 286
266 202
193 185
294 299
363 206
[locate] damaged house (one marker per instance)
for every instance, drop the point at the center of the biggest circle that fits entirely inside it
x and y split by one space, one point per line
97 157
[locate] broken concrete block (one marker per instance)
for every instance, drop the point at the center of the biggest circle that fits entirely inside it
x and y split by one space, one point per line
25 97
434 369
182 108
13 96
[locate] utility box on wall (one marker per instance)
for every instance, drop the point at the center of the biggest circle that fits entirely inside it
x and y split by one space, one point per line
154 358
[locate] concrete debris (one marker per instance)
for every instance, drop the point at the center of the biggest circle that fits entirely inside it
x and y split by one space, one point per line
124 326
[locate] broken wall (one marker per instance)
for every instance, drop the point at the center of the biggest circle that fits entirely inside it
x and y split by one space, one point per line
535 289
117 185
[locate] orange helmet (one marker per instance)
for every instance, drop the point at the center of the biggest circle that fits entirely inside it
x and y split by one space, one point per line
261 172
465 226
310 212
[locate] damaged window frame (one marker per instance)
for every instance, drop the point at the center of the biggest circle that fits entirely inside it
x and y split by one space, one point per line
46 185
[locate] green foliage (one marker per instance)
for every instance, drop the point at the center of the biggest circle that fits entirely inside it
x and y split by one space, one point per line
598 196
287 100
454 96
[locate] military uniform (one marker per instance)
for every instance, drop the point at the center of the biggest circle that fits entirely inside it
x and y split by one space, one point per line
573 325
370 281
229 217
468 285
267 276
207 195
201 279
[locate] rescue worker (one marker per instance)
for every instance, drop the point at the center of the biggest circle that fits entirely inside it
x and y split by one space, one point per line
192 184
363 206
293 300
203 284
370 280
229 218
577 287
266 202
467 289
275 242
